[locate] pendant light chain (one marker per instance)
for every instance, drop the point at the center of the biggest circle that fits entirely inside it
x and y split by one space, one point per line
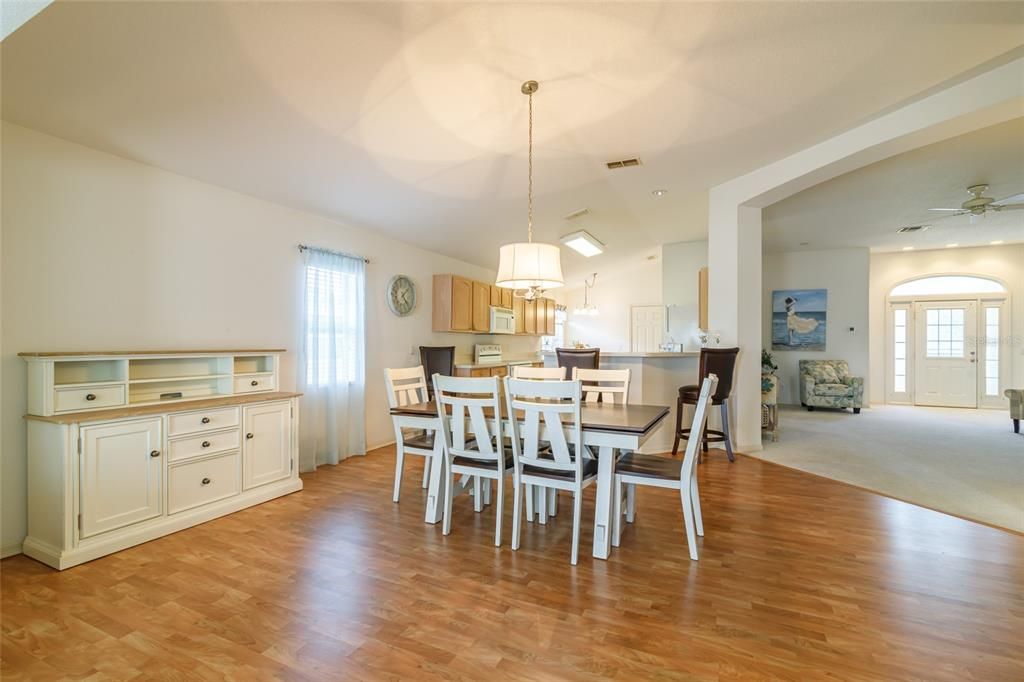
529 184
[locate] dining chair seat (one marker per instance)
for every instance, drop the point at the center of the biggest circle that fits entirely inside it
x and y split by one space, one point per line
473 462
418 438
649 466
589 470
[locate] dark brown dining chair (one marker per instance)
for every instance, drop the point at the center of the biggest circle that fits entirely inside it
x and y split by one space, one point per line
580 358
722 363
437 360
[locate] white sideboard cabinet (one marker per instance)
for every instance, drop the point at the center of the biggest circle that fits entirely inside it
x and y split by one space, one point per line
124 447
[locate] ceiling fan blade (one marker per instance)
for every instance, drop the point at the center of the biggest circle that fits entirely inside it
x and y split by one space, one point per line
1014 199
945 209
1009 207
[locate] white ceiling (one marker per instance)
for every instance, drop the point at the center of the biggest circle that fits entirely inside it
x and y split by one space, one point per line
407 117
866 207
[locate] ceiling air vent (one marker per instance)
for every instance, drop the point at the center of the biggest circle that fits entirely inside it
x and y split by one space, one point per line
912 228
576 214
624 163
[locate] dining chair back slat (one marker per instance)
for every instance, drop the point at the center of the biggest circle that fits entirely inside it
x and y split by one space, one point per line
603 385
467 398
543 373
406 386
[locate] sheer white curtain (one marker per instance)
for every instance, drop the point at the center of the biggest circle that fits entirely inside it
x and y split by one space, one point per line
331 370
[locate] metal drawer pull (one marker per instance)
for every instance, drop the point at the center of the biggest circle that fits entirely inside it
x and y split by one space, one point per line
205 420
206 481
155 453
206 443
254 382
90 396
248 436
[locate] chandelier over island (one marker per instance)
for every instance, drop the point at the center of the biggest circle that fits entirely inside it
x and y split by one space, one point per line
529 267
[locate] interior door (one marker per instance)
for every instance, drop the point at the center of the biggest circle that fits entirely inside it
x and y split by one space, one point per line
122 475
266 450
647 325
946 362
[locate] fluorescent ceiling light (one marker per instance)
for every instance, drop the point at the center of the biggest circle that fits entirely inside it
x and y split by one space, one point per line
952 246
996 242
583 243
908 248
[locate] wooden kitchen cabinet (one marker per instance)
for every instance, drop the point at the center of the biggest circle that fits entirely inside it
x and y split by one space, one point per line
481 307
453 304
495 295
549 317
506 297
702 298
519 309
530 317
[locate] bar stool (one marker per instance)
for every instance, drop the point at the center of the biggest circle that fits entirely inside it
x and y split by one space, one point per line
437 360
722 363
581 358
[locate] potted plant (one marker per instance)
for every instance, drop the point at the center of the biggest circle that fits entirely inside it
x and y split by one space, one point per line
768 365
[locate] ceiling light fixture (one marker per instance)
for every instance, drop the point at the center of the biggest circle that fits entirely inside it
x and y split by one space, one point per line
660 192
583 243
529 266
996 242
586 308
908 248
952 246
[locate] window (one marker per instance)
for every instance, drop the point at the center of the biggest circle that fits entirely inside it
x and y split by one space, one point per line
550 343
992 351
333 326
948 284
899 325
944 333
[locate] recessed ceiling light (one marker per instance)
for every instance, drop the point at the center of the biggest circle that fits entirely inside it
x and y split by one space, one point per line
908 248
660 192
996 242
583 243
952 246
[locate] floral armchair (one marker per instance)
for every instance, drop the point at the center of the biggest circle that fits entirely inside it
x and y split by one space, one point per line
827 383
1016 407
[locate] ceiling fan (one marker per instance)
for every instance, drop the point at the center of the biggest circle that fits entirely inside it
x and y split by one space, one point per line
979 204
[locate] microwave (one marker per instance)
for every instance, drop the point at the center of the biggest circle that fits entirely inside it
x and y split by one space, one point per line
503 320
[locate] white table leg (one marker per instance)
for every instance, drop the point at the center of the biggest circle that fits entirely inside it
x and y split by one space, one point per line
603 510
435 487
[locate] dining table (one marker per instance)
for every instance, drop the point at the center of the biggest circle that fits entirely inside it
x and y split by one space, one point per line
608 429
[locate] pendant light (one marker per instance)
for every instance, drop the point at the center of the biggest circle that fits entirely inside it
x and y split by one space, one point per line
587 308
529 266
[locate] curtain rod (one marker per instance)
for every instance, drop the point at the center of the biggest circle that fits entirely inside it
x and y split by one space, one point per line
304 247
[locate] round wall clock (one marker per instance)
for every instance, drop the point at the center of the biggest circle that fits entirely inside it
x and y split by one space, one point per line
401 295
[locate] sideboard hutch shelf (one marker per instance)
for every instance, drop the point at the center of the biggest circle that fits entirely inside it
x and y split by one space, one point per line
125 447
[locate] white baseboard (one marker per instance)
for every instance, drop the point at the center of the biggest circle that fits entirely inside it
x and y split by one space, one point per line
10 550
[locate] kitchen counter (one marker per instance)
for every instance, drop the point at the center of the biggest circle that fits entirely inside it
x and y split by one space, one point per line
468 363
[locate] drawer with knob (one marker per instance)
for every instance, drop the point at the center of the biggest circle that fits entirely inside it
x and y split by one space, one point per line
253 383
202 444
88 398
180 423
199 482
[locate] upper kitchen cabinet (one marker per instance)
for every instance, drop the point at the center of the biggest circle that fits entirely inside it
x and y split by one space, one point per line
464 305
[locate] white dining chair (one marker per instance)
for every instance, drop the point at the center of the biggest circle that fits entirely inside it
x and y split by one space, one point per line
635 469
550 410
604 385
544 373
413 435
478 451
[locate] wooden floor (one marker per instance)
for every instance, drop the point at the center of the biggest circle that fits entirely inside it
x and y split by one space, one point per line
800 578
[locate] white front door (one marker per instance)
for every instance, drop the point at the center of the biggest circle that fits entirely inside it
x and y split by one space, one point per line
647 325
946 367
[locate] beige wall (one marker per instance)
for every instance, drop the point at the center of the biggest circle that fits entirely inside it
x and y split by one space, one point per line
101 252
1005 263
844 272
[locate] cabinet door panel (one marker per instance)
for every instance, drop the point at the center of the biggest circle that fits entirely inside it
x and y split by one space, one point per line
531 317
122 480
549 317
519 308
462 304
496 295
506 298
481 307
267 445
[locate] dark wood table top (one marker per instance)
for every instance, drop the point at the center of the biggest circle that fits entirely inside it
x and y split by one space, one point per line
639 419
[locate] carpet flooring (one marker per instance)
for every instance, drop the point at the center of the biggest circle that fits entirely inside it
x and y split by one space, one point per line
968 463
